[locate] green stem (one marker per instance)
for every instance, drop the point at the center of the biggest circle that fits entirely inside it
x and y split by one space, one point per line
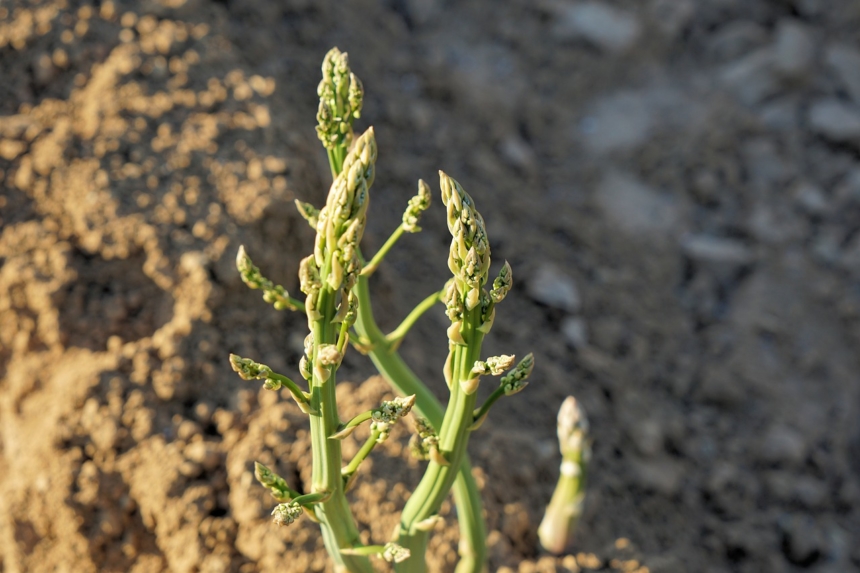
336 521
370 268
467 498
485 408
362 454
302 398
453 438
396 336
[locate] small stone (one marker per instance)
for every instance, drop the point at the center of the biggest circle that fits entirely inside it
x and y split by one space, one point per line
663 476
794 49
603 26
422 11
783 445
617 122
835 120
847 191
716 250
736 38
811 198
517 152
845 62
752 78
648 436
809 491
781 114
763 162
636 208
550 286
672 16
575 331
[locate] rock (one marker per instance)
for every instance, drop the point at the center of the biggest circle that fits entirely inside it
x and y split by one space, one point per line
774 224
627 119
763 162
603 26
647 435
617 122
847 191
736 38
517 152
722 387
783 445
550 286
575 331
782 114
794 49
716 250
752 78
811 198
835 120
636 208
662 475
845 62
672 16
422 11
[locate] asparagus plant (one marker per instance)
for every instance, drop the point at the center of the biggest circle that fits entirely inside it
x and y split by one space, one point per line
337 303
565 508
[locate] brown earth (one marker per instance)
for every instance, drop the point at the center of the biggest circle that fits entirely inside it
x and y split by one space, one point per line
675 183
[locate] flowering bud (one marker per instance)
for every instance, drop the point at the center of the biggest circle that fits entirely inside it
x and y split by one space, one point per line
286 513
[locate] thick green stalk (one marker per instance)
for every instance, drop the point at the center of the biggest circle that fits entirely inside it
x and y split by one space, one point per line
453 438
336 521
467 498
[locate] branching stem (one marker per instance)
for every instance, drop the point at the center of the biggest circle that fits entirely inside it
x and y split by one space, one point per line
365 450
395 337
374 263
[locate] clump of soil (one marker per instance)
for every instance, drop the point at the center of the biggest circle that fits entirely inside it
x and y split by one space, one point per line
675 184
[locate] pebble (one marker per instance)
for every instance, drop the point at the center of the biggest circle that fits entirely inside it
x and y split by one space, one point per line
811 198
835 120
635 208
783 445
517 152
716 250
648 436
845 62
663 476
603 26
422 11
752 78
575 331
736 38
794 49
617 122
552 287
847 191
672 16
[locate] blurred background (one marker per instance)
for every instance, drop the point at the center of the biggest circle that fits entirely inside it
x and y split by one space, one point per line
676 184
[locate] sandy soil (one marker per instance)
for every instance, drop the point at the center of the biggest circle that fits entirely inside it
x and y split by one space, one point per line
676 184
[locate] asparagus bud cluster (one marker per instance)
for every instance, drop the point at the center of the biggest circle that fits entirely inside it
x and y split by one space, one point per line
274 294
417 205
388 413
341 97
286 513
